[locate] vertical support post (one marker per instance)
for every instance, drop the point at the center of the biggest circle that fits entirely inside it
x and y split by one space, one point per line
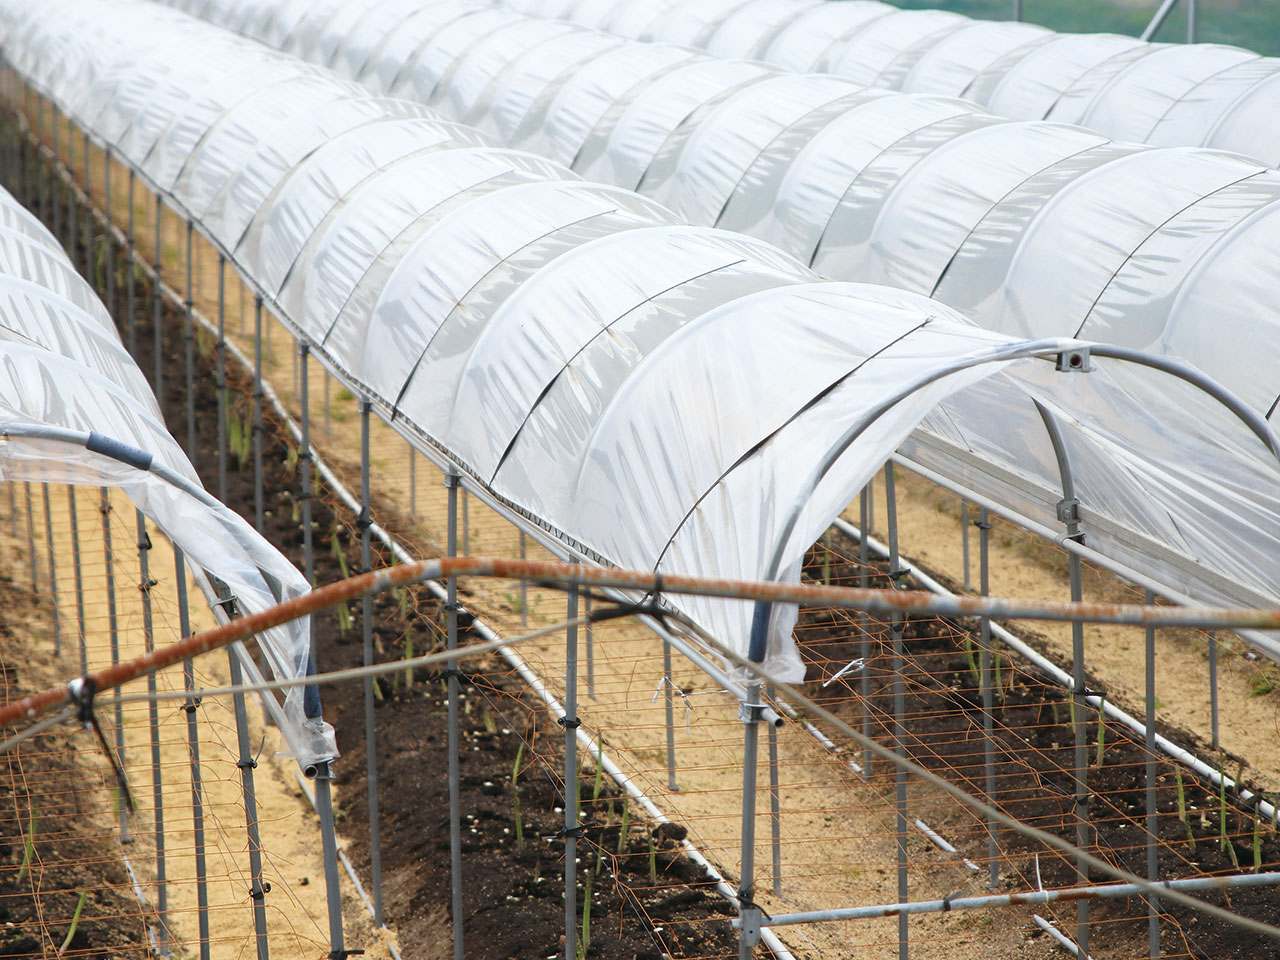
1069 515
983 524
413 473
1192 16
864 621
1017 10
75 561
193 748
32 558
1081 772
370 730
13 510
53 573
451 481
1213 690
72 228
157 308
329 848
749 712
328 426
108 244
524 593
571 786
775 805
114 634
247 764
258 509
88 215
964 542
668 688
220 378
466 523
43 186
304 465
591 661
55 199
153 707
1153 853
899 709
130 280
188 343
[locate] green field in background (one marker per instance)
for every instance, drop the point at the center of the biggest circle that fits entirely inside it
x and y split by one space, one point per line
1254 24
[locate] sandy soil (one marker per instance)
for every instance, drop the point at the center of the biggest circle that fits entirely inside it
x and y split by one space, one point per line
290 841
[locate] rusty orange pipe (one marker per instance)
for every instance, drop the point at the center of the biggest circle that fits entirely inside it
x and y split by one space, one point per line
885 601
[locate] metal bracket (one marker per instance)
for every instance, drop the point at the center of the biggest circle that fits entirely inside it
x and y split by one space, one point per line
749 918
1069 510
750 712
1074 361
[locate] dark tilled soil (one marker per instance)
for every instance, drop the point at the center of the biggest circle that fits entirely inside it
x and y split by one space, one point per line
50 852
647 900
1034 747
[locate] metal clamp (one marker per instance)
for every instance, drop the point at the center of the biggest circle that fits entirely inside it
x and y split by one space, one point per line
1068 510
1074 361
570 723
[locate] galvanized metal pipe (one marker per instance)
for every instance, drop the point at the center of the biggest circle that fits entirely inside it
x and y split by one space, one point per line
864 622
775 804
113 632
304 472
748 912
258 506
988 699
79 577
1153 826
109 248
329 851
130 280
1158 20
88 220
33 560
571 723
220 378
1099 892
668 691
247 764
1213 692
188 342
157 785
193 746
899 712
454 735
157 306
53 571
363 521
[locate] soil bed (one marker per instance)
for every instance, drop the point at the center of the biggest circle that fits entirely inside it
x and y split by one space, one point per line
51 849
647 900
1199 831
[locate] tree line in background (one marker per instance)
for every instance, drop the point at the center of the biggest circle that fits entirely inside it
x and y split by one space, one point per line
1253 24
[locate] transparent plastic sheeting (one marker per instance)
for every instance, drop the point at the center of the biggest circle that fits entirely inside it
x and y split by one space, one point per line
1175 95
1027 228
1030 229
653 394
62 365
